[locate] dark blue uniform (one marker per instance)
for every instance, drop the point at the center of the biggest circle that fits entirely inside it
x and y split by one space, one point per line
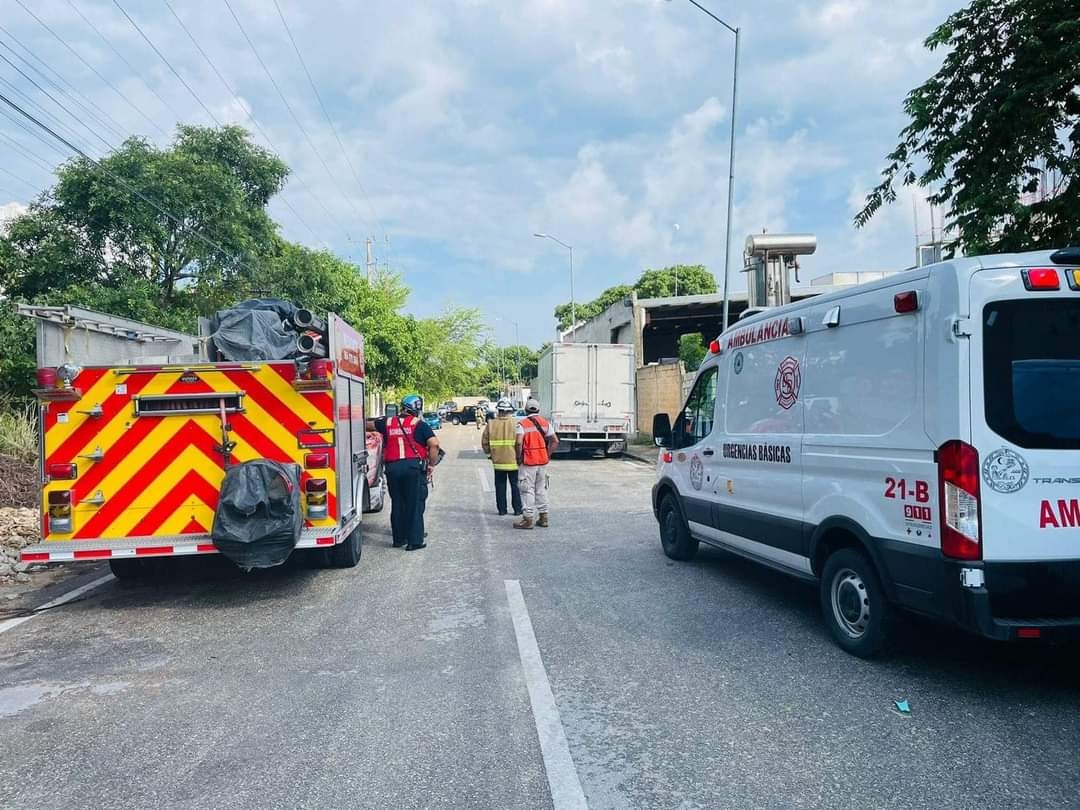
407 482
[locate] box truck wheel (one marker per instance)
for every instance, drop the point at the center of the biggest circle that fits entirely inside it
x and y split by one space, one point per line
347 554
674 533
854 604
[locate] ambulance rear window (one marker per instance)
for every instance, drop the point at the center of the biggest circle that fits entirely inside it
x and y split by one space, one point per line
1031 358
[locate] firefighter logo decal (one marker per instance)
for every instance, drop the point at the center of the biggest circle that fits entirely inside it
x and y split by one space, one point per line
697 472
1005 471
787 384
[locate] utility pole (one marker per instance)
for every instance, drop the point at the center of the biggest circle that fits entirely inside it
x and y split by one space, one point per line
370 259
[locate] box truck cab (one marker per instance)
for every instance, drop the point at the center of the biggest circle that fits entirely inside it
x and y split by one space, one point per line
908 444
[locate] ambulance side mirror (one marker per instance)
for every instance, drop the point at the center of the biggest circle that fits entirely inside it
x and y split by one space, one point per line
661 430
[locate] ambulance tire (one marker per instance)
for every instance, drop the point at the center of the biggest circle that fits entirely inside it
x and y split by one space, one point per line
674 533
347 554
854 605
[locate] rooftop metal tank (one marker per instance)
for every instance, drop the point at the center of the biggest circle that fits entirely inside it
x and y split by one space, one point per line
769 258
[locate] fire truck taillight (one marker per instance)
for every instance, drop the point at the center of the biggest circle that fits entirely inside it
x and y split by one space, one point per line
63 472
319 369
958 493
316 461
60 512
1041 278
315 494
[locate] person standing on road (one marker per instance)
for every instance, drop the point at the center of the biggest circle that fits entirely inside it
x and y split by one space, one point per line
499 442
536 441
410 452
481 417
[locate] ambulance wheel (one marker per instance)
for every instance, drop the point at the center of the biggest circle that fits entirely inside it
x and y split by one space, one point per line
854 604
674 533
127 568
347 554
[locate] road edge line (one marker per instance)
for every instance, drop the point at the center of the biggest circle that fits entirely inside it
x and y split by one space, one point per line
74 593
562 775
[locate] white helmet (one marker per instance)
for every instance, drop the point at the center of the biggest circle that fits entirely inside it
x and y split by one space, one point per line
504 406
532 406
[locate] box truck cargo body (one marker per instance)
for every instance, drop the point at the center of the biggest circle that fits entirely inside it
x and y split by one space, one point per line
587 391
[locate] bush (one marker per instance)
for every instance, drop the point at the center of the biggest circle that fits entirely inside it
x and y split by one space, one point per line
18 431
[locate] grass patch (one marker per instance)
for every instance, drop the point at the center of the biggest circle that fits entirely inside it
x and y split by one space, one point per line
18 431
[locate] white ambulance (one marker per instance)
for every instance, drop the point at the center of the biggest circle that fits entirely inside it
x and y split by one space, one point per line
912 443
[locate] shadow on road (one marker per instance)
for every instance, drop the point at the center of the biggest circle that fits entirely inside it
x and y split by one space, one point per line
920 645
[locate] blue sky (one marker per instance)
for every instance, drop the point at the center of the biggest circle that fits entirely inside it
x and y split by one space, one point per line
473 123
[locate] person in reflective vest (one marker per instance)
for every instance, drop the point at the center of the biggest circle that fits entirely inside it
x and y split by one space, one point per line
535 441
499 443
410 452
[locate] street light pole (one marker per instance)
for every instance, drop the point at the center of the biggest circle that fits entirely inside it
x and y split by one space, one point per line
573 306
731 157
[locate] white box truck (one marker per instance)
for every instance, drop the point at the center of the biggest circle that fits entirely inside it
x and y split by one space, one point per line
587 391
913 444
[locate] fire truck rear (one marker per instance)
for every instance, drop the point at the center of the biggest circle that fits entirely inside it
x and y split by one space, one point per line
134 455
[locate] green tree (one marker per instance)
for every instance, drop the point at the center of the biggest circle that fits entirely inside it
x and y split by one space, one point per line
689 279
93 227
1001 113
450 357
692 350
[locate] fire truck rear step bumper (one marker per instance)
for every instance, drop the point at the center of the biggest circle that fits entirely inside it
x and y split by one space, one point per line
163 546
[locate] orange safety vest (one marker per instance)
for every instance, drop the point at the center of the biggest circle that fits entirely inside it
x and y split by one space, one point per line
534 451
400 443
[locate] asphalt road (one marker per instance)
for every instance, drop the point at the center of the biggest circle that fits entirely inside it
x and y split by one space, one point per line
401 683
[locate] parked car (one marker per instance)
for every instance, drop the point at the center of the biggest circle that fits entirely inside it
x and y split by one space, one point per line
433 420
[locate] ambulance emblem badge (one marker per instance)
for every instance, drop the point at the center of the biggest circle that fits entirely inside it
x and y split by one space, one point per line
788 382
1005 471
697 472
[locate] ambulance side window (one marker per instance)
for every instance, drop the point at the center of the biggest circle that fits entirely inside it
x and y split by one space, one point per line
696 421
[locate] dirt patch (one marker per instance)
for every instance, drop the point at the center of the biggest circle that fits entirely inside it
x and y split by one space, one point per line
19 484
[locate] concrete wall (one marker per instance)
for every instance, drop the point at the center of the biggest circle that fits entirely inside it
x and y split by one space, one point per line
659 390
616 319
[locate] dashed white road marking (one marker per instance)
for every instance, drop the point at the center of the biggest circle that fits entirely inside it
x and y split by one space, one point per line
562 775
485 482
60 600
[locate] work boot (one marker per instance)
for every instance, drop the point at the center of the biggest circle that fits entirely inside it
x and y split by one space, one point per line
542 522
524 523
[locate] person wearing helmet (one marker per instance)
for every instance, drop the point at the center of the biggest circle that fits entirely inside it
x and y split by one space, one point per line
410 452
536 441
499 443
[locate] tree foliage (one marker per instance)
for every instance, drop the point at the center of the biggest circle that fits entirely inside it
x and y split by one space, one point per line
689 279
692 350
91 241
1003 110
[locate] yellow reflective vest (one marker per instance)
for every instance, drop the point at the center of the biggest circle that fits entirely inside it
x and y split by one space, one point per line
499 441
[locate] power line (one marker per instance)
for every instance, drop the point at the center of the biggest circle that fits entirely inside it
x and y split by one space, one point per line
92 69
57 103
292 113
21 124
22 180
84 103
40 161
115 127
251 117
122 58
168 64
120 180
326 115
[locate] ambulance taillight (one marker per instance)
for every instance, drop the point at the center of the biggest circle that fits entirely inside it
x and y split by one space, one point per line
60 512
1041 278
958 496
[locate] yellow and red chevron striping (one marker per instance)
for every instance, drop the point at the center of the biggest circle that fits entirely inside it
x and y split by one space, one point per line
160 474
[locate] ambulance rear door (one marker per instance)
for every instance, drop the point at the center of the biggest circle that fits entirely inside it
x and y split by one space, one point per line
1025 411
